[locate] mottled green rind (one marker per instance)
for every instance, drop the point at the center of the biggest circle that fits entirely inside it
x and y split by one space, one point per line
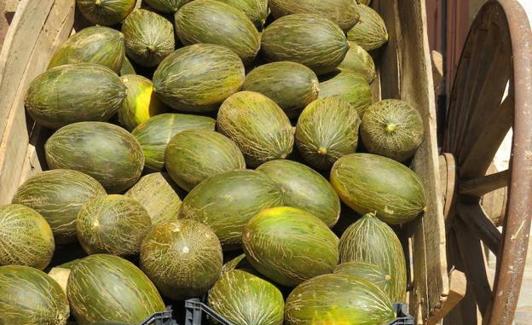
256 10
327 130
372 241
108 288
29 296
364 2
244 299
149 37
96 44
257 125
227 201
166 6
370 32
291 85
157 196
372 183
289 245
305 189
338 299
127 67
25 237
214 22
195 155
392 128
74 93
352 87
183 258
104 151
308 39
198 78
370 272
357 60
238 263
105 12
58 196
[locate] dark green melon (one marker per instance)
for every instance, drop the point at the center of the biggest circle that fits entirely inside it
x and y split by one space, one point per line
370 33
109 288
155 134
195 155
257 125
370 272
244 299
183 258
227 201
289 245
256 10
25 237
149 38
58 196
105 12
214 22
96 44
370 240
392 128
326 130
238 263
357 60
127 67
308 39
166 6
198 78
372 183
74 93
305 189
338 299
30 296
352 87
291 85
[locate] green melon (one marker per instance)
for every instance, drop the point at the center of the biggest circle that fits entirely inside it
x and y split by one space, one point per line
338 299
96 44
370 33
291 85
149 38
372 183
364 2
357 60
198 78
243 299
238 263
183 258
257 125
58 196
109 288
256 10
326 130
289 245
392 128
195 155
308 39
105 12
25 237
305 189
166 6
214 22
372 241
352 87
227 201
73 93
30 296
127 67
370 272
155 134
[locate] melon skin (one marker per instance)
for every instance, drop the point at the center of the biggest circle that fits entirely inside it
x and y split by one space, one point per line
256 10
30 296
127 67
358 60
351 87
166 6
105 12
370 33
370 272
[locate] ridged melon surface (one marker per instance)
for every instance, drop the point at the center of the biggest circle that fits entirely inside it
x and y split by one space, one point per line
358 60
352 87
370 33
105 12
370 272
256 10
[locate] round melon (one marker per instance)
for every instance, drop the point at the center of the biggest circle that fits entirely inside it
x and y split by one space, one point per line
372 183
256 10
58 196
166 6
30 296
149 38
195 155
326 130
109 288
155 134
243 299
392 128
338 299
127 67
308 39
370 33
96 44
105 12
357 60
214 22
227 201
352 87
370 272
370 240
289 245
183 258
305 189
257 125
59 96
198 78
291 85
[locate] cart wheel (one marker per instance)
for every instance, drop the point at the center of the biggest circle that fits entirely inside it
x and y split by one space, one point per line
492 94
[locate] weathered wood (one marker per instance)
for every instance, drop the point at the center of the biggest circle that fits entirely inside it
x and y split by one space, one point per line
457 291
480 224
485 184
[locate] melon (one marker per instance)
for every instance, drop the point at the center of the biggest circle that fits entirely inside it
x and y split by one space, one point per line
370 272
358 60
127 67
105 12
238 263
183 258
364 2
352 87
256 10
166 6
370 33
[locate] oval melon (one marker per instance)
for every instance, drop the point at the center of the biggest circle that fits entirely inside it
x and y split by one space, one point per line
370 33
166 6
238 263
364 2
352 87
357 60
370 272
256 10
127 67
105 12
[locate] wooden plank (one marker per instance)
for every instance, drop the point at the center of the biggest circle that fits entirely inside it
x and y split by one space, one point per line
457 291
485 184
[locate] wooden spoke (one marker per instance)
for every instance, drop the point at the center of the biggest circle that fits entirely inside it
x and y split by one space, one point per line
485 184
480 224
